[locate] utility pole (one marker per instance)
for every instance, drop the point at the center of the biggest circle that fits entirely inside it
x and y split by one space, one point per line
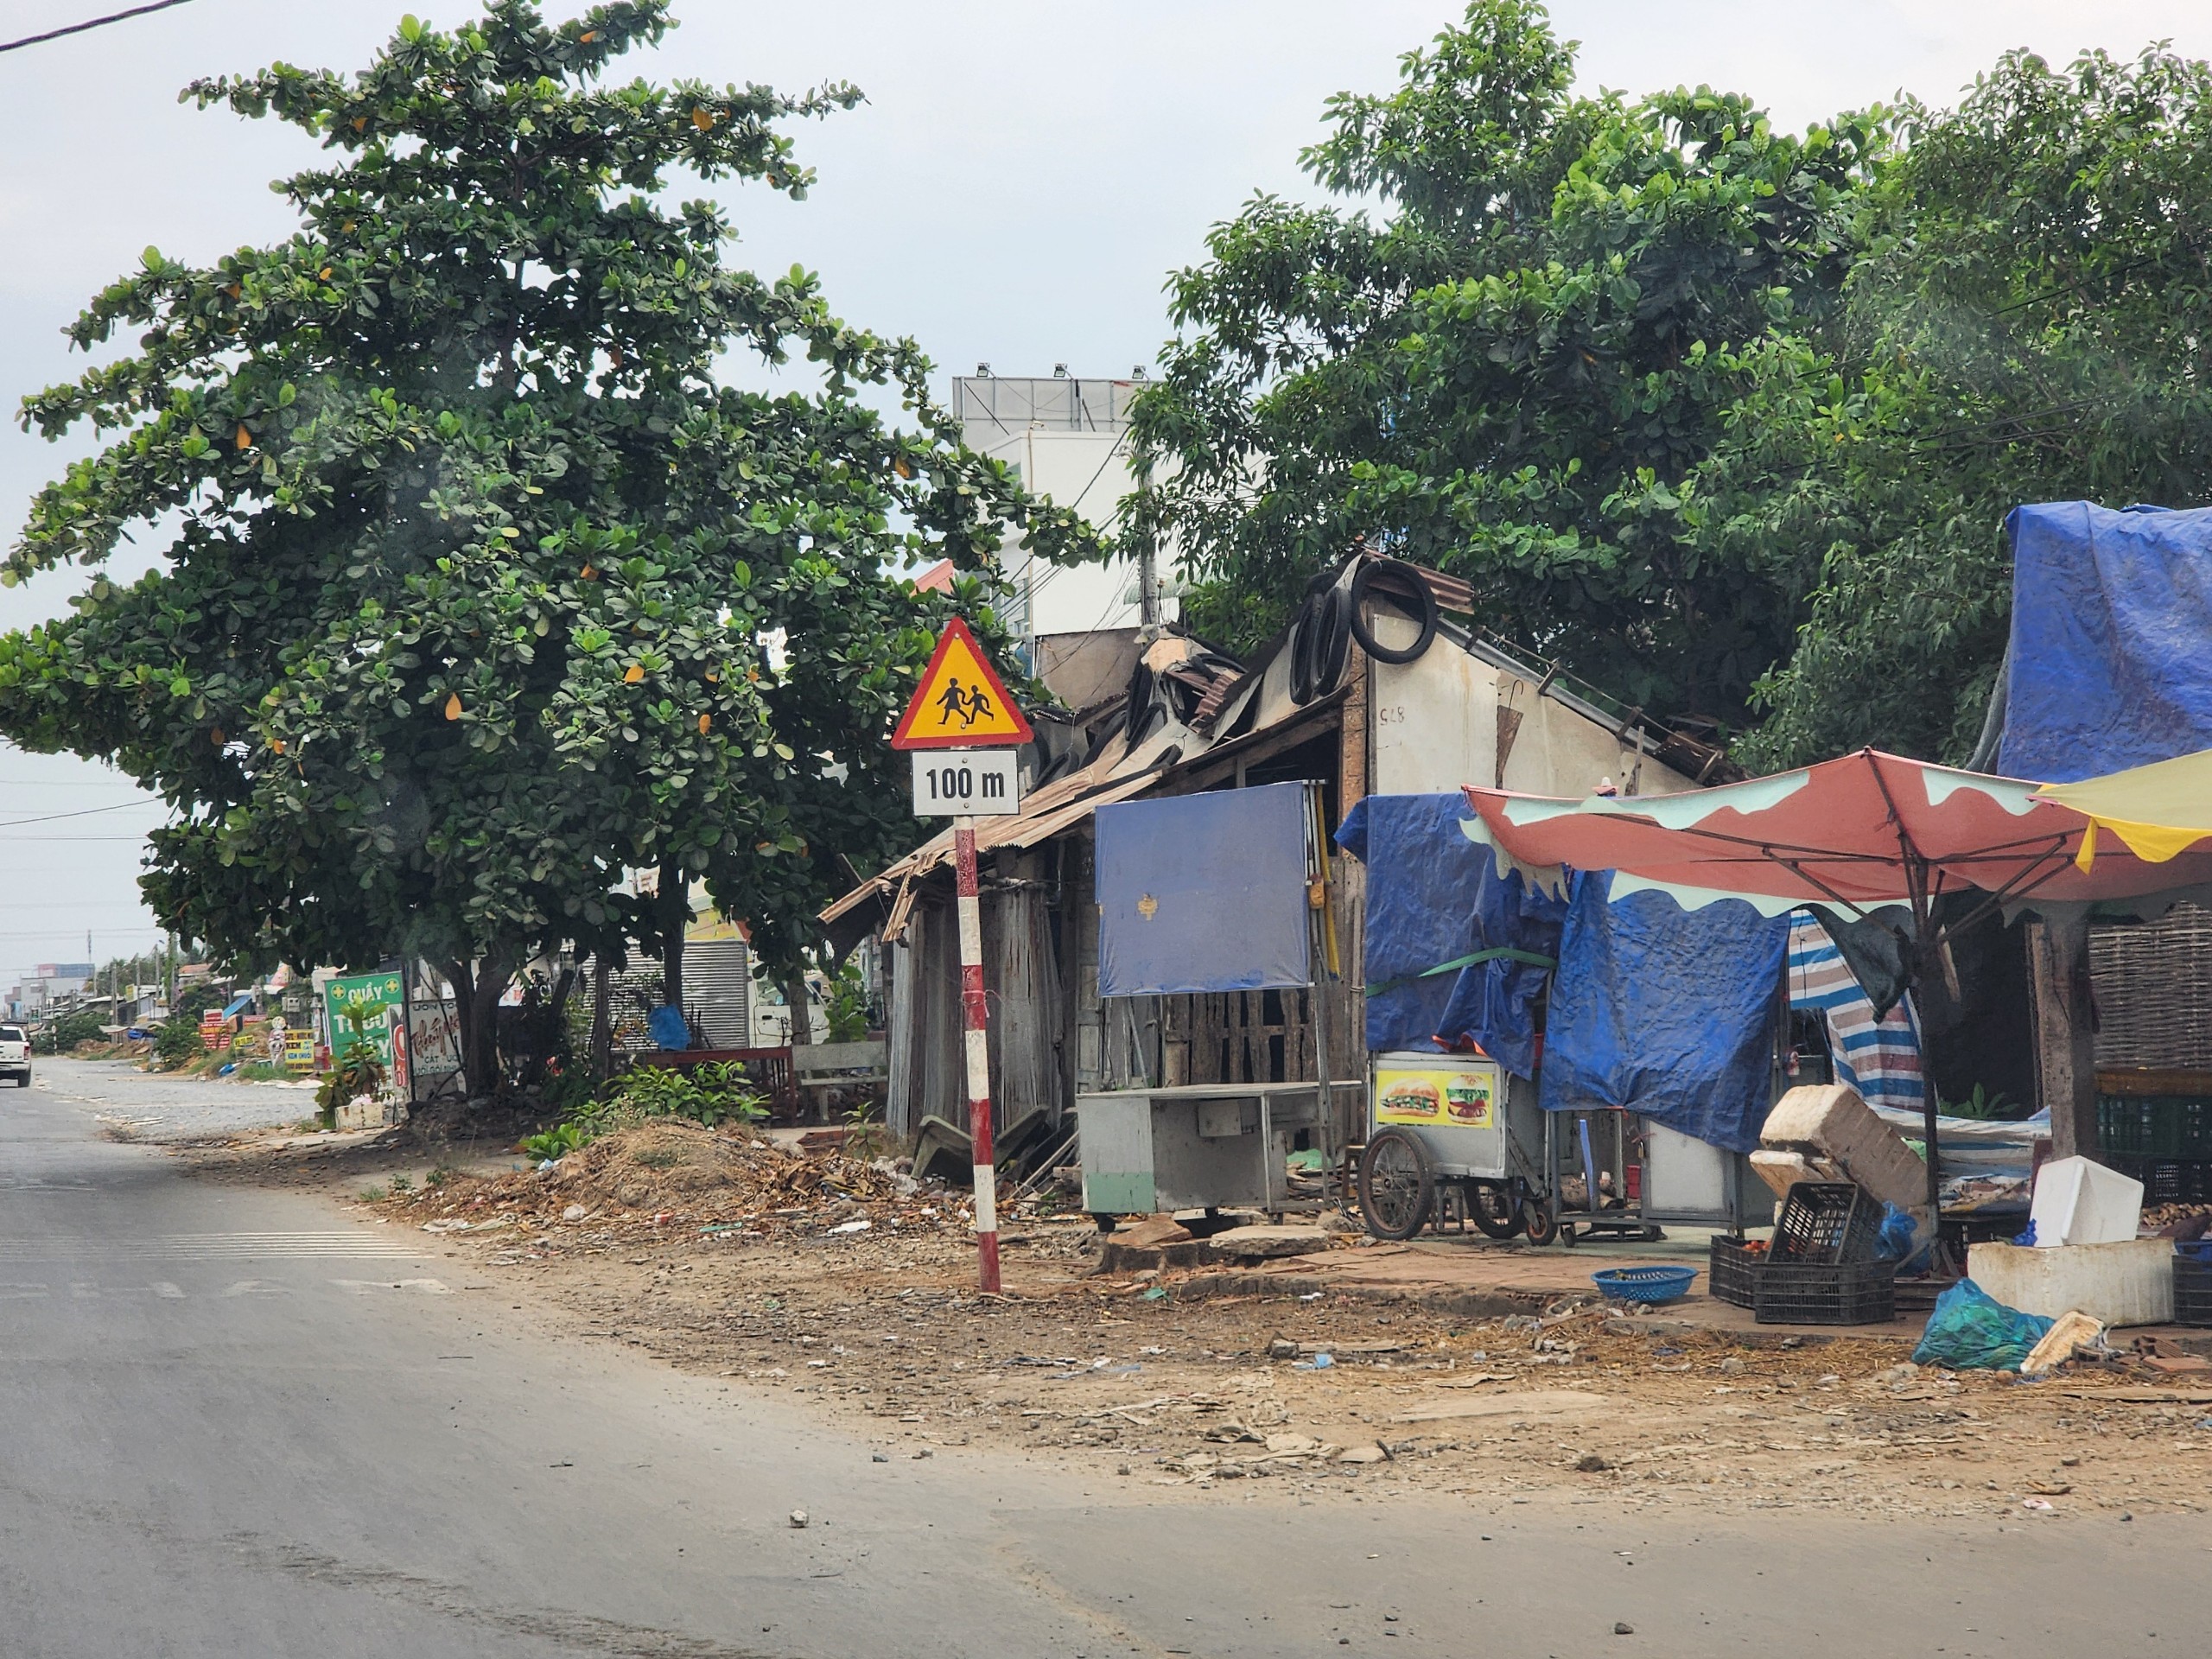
1147 576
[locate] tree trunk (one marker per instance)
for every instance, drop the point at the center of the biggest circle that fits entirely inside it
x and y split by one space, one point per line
476 1010
603 1023
675 904
802 1022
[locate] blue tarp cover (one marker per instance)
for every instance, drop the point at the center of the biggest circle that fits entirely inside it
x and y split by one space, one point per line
1665 1012
2112 624
1432 897
1202 892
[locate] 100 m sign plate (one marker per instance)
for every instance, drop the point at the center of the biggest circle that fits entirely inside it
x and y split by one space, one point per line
966 783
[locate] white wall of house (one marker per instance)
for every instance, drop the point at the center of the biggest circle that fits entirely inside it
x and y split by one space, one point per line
1438 723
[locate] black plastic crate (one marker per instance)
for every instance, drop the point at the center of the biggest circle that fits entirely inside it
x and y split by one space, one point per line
1810 1293
1732 1275
1826 1223
2170 1180
2128 1124
2192 1290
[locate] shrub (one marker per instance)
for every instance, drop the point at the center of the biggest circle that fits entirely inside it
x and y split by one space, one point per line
175 1042
60 1036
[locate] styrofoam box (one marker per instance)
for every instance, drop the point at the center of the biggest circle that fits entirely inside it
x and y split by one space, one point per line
2078 1202
1832 1121
2126 1283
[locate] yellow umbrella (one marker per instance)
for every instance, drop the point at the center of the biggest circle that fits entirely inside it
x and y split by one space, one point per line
2157 811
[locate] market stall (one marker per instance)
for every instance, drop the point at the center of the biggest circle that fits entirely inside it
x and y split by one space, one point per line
1219 891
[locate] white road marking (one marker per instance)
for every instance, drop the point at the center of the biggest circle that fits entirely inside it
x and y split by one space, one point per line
206 1247
254 1287
370 1286
163 1287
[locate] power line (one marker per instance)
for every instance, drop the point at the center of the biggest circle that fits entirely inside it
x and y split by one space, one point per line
78 28
85 812
73 838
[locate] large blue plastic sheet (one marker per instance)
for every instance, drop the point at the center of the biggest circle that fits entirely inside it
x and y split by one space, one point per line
2112 624
1434 897
1665 1011
1202 892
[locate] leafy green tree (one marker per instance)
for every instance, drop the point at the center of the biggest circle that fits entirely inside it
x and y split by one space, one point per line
1514 370
485 587
2029 319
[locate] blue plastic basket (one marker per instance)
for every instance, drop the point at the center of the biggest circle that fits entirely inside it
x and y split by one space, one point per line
1646 1284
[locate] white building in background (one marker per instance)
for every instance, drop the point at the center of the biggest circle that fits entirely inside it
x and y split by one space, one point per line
1068 438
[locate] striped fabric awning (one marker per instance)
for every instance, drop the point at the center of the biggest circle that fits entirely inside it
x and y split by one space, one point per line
1878 1057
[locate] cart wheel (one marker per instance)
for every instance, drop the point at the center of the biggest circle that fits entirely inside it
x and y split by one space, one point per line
1493 1211
1397 1188
1538 1221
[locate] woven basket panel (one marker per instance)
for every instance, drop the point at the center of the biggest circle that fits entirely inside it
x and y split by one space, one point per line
2153 984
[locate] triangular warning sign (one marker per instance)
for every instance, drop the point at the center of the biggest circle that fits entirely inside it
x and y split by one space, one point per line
961 704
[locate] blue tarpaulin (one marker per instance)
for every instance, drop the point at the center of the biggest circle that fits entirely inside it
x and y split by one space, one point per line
1202 892
1665 1011
2111 620
1434 899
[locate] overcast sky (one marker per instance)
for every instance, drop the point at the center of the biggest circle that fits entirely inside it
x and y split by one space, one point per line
1019 183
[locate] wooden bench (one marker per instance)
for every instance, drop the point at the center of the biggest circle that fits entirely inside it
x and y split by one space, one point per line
820 1068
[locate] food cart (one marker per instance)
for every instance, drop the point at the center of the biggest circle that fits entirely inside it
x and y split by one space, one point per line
1454 1124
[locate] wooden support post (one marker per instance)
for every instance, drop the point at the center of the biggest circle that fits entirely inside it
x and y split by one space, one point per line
2065 1033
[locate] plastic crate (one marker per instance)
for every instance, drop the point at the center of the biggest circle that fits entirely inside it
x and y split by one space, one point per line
1808 1293
2127 1125
2192 1128
2170 1180
2192 1289
1826 1223
1733 1274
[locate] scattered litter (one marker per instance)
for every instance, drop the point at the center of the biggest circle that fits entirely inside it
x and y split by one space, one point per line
799 1520
1971 1329
858 1226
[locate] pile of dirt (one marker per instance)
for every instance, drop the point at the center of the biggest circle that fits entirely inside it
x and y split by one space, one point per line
678 1172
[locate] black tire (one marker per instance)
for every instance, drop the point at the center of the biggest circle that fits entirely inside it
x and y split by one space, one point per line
1322 643
1404 586
1493 1210
1540 1225
1136 717
1397 1187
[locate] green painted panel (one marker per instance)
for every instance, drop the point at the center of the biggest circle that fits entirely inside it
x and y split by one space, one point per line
1109 1194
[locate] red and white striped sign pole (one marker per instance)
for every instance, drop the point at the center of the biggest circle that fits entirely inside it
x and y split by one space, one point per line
965 725
976 1020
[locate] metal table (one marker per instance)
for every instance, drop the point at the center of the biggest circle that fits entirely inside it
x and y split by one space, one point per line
1206 1146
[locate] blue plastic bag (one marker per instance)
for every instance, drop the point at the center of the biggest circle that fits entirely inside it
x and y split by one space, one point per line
1894 1242
668 1027
1971 1329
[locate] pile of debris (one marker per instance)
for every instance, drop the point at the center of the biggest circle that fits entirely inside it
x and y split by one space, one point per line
675 1172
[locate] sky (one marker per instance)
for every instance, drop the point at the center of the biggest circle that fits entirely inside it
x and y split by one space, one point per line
1015 190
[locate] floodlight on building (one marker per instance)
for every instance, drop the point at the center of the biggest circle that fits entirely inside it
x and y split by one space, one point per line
1059 371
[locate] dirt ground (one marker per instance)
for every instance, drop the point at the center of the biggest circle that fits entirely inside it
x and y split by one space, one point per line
842 1283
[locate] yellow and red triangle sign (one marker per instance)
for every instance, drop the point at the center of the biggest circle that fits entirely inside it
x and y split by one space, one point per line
961 704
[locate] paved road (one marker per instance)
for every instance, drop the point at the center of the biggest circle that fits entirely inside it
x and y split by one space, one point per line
158 1106
232 1423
